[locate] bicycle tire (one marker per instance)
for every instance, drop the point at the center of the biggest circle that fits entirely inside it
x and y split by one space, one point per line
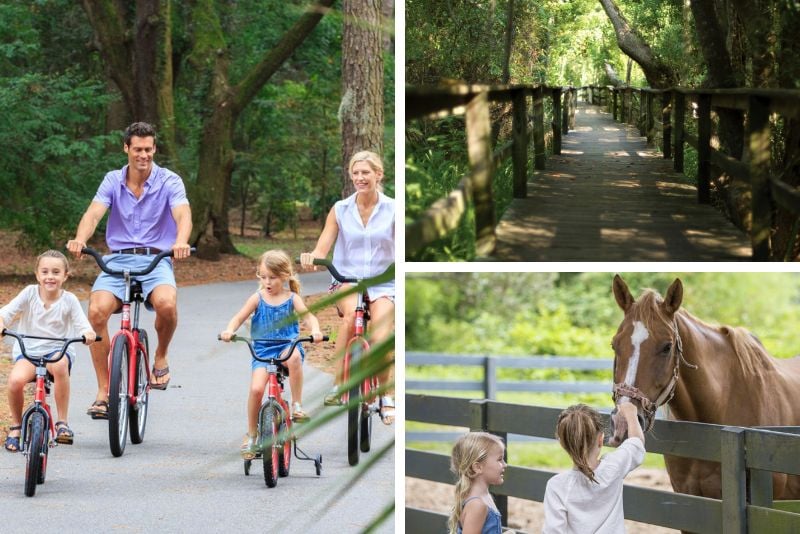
269 452
353 408
118 396
34 447
137 414
285 451
45 456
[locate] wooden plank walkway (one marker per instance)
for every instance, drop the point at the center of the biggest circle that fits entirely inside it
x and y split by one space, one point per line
608 197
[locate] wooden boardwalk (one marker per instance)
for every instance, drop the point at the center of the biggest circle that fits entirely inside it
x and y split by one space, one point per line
608 197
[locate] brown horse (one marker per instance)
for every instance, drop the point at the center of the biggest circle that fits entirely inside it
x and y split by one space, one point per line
705 373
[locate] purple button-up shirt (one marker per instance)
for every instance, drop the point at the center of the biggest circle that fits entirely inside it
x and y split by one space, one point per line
146 221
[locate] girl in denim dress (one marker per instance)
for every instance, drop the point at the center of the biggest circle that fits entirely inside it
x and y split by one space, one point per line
275 309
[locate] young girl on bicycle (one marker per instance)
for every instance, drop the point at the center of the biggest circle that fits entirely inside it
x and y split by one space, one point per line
274 308
477 461
44 310
589 497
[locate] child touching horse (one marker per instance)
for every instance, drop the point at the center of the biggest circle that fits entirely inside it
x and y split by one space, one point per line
589 497
273 308
477 461
44 310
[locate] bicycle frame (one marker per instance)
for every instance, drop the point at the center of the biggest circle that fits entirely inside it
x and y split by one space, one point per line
39 405
360 328
130 329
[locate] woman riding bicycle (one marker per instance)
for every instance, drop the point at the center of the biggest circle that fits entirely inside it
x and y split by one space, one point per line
362 229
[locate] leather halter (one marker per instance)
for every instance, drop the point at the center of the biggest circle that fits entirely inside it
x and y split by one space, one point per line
649 407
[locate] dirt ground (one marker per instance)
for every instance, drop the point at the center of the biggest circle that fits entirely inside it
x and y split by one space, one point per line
16 272
528 516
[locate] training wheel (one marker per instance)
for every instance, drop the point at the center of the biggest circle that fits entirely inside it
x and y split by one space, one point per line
247 464
318 464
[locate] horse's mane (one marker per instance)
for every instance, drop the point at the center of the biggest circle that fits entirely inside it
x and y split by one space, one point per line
751 354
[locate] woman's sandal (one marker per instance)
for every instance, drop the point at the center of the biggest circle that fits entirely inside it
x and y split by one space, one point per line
248 448
64 434
12 442
98 410
387 410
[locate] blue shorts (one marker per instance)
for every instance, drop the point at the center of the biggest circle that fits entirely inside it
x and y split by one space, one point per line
70 358
161 275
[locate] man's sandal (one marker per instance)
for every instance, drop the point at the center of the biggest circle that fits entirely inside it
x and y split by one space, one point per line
159 373
64 434
98 409
12 442
387 410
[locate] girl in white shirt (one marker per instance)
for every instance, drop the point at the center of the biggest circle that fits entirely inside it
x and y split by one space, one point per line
44 310
588 499
362 228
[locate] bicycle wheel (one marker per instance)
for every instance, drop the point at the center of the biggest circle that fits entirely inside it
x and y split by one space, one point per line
118 396
285 450
365 441
269 448
354 406
137 415
34 445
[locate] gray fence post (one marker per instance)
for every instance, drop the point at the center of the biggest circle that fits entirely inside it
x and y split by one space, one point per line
490 378
734 491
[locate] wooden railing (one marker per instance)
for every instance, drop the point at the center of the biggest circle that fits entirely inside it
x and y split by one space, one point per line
475 188
757 105
747 501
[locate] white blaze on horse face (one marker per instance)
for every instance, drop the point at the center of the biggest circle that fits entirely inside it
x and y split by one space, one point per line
640 334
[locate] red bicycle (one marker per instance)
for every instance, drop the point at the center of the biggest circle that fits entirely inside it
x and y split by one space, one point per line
275 436
129 360
38 430
362 398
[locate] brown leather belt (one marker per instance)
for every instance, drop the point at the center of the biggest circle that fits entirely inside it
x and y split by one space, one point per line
141 251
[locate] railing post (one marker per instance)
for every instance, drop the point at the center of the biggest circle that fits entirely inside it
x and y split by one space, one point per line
679 105
538 128
490 378
734 491
650 119
564 115
614 105
758 142
479 148
556 120
666 125
572 108
520 151
623 112
642 113
704 149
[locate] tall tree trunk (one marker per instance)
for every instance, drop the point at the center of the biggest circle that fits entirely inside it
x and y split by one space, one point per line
387 12
509 35
361 109
659 75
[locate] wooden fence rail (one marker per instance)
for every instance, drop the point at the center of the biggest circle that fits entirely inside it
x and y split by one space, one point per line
746 504
475 188
757 105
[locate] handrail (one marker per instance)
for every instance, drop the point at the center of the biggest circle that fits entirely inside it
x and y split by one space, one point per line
475 188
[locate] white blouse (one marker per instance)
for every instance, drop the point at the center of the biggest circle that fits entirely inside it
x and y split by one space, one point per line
64 318
364 251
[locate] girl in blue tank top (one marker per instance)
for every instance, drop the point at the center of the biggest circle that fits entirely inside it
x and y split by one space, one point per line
275 309
477 461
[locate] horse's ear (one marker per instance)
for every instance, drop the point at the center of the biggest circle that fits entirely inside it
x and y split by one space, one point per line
674 297
622 293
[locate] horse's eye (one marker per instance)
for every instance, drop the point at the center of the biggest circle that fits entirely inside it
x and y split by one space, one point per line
667 348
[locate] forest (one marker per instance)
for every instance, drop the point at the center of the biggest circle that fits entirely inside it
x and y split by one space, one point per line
257 104
709 44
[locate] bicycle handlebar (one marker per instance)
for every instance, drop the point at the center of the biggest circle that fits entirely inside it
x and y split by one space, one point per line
336 274
106 269
294 342
33 359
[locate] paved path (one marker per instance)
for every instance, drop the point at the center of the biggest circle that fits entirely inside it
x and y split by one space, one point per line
187 475
608 197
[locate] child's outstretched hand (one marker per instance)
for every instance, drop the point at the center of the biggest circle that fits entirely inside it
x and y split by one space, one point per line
226 335
89 337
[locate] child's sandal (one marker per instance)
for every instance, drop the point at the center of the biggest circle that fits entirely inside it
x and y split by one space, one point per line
12 442
64 434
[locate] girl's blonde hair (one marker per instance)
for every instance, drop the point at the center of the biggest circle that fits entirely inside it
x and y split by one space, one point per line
53 254
372 159
577 430
469 449
280 264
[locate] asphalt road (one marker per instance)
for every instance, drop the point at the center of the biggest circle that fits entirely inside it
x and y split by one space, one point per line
187 475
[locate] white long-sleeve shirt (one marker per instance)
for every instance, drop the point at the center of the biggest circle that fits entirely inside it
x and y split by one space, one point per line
575 504
64 318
